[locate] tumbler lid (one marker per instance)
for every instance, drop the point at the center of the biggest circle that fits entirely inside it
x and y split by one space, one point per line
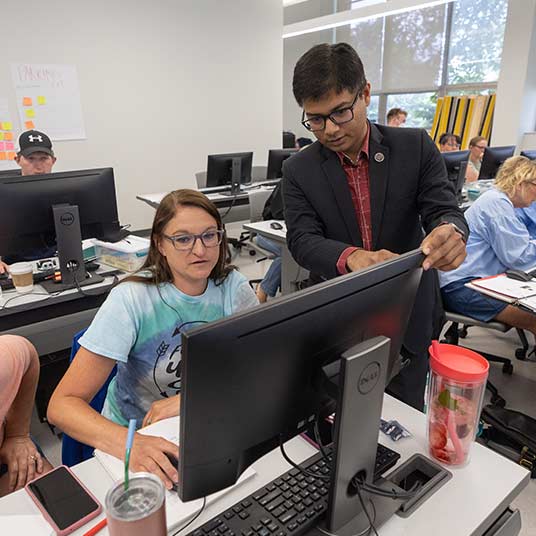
457 363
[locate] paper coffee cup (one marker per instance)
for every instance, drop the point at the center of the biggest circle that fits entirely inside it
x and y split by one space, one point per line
22 276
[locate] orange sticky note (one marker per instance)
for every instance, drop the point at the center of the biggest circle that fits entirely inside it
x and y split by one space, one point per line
26 101
7 125
3 156
29 125
8 136
30 112
11 155
41 99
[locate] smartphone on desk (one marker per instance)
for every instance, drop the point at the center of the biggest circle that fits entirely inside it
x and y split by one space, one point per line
63 500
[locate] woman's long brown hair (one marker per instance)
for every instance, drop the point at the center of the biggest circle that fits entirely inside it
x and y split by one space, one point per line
156 263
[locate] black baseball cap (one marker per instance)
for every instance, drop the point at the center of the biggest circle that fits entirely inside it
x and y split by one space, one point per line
33 141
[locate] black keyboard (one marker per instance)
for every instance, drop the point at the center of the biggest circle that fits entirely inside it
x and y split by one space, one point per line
291 504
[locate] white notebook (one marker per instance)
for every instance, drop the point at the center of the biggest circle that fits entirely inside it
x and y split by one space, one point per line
177 512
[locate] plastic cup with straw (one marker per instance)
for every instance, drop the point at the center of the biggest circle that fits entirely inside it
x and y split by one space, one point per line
128 448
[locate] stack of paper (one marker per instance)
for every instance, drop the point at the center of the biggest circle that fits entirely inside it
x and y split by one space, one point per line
501 287
177 512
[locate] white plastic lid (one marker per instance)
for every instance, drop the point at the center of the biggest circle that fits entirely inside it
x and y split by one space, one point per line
20 268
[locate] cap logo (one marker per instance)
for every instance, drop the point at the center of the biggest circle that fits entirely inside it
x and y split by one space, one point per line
33 138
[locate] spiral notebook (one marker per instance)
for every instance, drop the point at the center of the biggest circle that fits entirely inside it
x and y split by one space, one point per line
177 512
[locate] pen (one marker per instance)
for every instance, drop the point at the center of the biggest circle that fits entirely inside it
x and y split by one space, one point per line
100 525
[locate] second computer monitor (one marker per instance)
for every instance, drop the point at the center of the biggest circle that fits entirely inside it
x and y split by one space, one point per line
493 159
531 155
453 159
253 378
276 157
220 168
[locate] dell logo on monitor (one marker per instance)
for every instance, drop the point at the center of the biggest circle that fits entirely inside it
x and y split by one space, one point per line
67 218
369 378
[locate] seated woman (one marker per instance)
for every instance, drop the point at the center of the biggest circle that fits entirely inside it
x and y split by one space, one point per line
498 240
184 282
20 460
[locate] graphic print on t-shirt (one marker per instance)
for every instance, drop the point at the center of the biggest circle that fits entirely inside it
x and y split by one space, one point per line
167 364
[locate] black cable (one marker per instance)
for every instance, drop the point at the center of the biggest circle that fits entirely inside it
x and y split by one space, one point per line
371 522
235 197
318 440
296 466
193 518
47 294
392 494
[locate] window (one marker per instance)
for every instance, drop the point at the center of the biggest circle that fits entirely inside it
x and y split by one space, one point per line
420 107
414 49
372 110
476 40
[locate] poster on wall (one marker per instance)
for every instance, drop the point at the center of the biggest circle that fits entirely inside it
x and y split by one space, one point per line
7 138
48 99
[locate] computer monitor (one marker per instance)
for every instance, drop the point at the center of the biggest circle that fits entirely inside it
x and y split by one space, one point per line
230 169
10 173
529 154
493 159
29 206
254 379
452 160
276 157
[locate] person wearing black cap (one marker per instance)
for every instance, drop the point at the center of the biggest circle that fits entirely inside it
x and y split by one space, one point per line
35 155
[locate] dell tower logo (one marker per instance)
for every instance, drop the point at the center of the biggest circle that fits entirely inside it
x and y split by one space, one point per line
369 378
67 218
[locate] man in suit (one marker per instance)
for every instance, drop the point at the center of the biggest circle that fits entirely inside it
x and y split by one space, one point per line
362 193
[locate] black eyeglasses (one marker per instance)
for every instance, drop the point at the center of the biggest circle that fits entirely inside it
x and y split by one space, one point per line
339 117
186 242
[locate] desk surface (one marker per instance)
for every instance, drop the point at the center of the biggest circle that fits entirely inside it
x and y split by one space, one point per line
264 228
466 505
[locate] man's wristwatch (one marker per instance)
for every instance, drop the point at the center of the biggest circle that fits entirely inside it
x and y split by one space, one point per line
457 229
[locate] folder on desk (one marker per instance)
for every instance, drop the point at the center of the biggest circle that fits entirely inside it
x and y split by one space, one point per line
519 293
177 512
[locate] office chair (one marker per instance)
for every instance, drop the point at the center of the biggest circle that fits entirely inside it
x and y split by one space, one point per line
454 333
201 179
73 451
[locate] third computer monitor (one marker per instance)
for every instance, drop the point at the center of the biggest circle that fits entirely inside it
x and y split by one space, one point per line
276 157
493 159
220 168
26 217
256 377
531 155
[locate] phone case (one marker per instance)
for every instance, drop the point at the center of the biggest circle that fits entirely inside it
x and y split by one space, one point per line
45 514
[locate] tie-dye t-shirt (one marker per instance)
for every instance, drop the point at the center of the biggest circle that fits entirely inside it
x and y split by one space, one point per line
140 327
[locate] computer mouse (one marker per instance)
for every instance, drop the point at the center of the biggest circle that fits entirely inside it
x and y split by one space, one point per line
276 225
518 275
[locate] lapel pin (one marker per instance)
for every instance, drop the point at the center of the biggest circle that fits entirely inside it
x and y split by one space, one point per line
379 157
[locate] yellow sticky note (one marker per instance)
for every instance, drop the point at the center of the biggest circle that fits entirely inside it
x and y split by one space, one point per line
8 136
11 155
30 112
41 99
29 125
1 135
3 156
7 125
26 101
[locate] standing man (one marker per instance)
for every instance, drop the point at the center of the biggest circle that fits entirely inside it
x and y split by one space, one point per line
35 155
396 117
362 193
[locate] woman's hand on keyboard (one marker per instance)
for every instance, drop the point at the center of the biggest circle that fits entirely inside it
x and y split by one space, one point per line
152 454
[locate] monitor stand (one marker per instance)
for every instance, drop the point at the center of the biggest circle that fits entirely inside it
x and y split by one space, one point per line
236 177
70 256
362 379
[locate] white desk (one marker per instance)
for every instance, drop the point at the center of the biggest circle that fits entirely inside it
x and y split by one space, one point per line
469 504
291 272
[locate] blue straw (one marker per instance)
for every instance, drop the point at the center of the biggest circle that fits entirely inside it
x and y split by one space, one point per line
130 440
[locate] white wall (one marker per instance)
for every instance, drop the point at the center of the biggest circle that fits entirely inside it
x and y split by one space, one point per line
515 109
162 83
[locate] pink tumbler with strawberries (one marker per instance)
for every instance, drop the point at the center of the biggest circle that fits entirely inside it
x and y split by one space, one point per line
456 386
